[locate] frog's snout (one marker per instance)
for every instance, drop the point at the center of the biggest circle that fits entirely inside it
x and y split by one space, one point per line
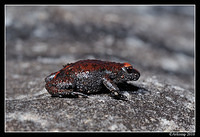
136 74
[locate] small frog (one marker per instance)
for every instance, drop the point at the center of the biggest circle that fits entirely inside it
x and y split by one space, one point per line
84 77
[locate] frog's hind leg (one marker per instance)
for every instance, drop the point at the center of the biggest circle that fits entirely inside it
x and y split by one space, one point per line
77 95
69 93
63 90
57 92
63 93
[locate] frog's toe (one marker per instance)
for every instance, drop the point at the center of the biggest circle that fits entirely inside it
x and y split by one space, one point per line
78 94
72 94
119 96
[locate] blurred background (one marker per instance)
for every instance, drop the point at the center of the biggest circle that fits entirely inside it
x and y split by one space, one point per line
157 40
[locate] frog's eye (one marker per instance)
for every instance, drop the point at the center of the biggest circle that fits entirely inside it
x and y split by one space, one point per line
128 69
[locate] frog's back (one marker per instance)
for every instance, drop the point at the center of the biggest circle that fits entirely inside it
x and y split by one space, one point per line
89 66
93 65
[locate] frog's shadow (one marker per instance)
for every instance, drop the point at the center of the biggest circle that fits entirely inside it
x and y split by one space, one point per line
132 88
128 88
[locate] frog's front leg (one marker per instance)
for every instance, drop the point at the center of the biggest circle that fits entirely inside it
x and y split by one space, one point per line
115 92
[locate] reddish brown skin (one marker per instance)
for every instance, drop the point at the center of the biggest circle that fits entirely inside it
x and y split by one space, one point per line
89 76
